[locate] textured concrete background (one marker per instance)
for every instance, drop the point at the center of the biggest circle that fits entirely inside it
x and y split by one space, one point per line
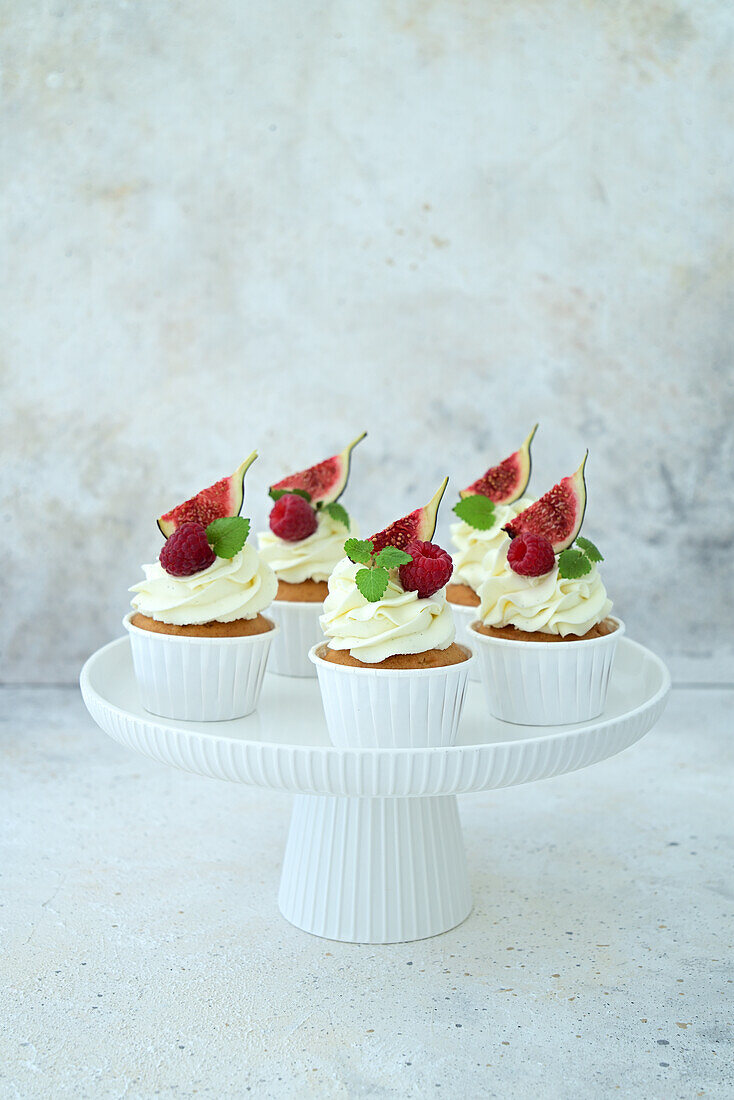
144 954
233 225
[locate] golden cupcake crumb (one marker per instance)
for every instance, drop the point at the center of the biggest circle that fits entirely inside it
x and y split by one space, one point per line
238 628
432 658
511 633
462 594
305 592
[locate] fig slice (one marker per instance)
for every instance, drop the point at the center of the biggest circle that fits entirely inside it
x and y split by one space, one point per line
326 481
418 525
507 481
558 514
223 498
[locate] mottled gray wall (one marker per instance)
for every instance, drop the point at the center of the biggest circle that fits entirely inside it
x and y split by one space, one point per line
238 224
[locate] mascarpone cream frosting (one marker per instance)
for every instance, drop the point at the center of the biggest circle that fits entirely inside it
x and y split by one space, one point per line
312 558
471 560
552 604
230 588
399 623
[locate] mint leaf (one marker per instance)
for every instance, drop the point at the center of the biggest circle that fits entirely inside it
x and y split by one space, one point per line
573 564
390 557
338 512
591 551
372 583
228 535
276 494
359 550
477 511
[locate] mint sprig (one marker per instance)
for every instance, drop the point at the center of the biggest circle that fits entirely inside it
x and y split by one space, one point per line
359 550
338 512
573 564
372 581
227 535
592 552
276 494
577 560
476 510
390 557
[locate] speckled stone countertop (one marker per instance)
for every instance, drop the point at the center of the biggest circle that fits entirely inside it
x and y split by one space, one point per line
143 953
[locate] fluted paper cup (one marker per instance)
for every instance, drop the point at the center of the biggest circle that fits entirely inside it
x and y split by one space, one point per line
300 629
545 683
383 708
198 679
463 617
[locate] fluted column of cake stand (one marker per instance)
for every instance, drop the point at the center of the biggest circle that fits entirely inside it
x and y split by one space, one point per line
375 851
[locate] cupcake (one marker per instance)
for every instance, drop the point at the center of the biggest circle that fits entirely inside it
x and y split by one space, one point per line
544 638
483 510
305 541
199 639
391 673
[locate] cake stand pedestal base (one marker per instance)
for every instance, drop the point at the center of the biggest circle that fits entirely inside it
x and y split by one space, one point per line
375 853
374 870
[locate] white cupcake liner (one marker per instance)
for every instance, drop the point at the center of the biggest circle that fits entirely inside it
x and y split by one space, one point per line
300 629
463 617
198 679
546 683
382 708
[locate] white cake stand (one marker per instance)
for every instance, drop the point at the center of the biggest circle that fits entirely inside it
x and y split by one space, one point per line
375 852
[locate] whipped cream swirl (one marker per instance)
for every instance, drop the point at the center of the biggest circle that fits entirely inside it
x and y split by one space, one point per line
400 622
312 558
476 550
230 588
552 604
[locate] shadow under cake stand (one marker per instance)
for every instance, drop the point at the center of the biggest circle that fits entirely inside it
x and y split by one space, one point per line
375 852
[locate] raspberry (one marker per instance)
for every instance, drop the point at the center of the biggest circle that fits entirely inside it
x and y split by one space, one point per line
531 555
429 570
186 551
292 518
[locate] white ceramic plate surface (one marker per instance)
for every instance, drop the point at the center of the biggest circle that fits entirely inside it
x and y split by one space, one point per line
284 744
